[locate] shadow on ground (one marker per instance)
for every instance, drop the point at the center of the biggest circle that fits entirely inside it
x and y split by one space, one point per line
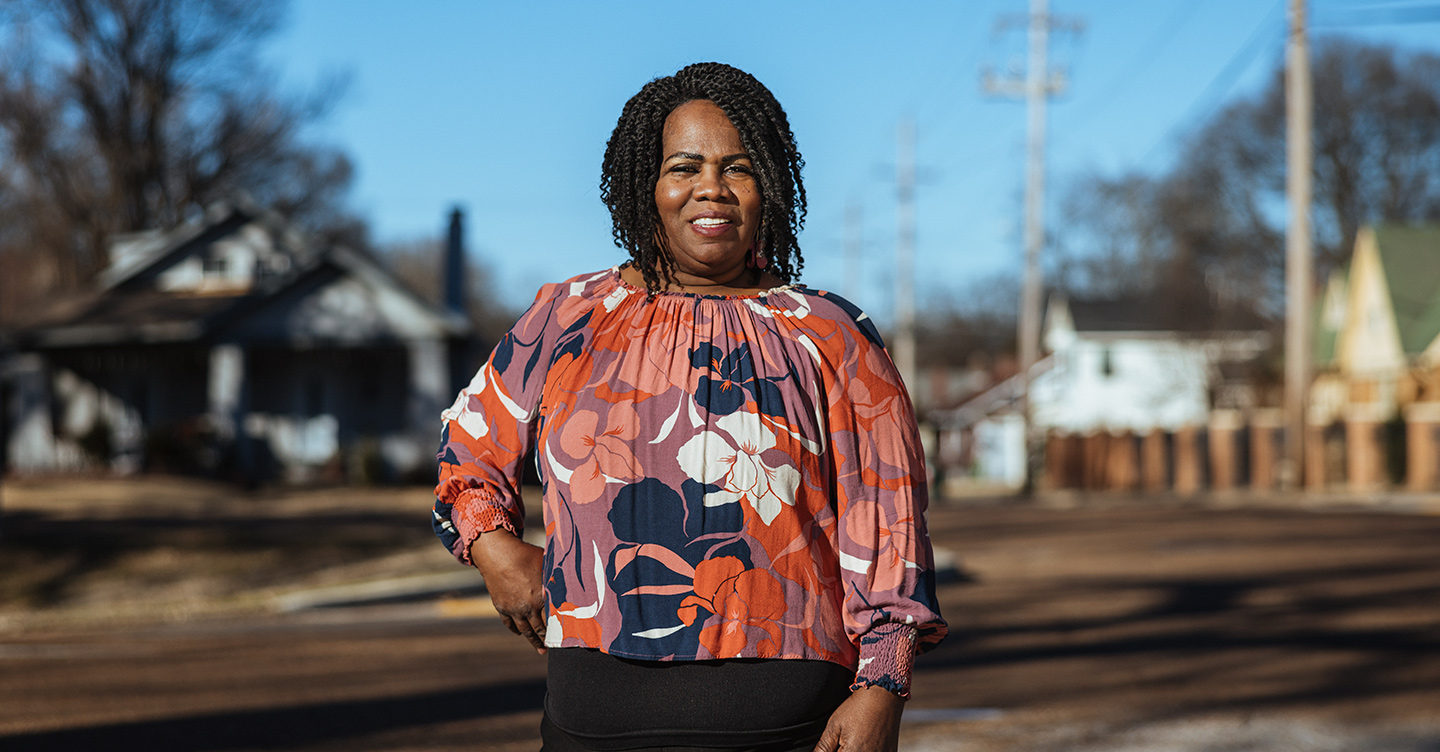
1173 612
46 562
295 727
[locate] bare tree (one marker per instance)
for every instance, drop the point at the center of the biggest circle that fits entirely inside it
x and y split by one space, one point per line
1219 212
123 115
977 323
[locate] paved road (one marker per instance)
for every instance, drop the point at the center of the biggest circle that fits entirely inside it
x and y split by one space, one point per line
1127 627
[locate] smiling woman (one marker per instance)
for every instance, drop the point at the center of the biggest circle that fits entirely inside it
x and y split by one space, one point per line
735 553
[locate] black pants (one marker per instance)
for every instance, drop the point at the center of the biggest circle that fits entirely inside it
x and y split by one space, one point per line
596 702
554 739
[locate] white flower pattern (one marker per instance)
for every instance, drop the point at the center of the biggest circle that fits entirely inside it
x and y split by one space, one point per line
731 458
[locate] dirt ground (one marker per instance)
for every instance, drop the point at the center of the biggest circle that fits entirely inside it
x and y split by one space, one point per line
143 614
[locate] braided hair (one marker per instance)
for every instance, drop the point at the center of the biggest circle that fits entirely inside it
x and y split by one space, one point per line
634 153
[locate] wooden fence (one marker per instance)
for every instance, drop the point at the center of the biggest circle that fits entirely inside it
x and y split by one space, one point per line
1366 451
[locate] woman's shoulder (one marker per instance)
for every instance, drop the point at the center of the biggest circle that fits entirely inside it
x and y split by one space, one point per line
821 308
590 285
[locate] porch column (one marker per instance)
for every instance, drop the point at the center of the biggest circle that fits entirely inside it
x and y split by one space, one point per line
429 381
1422 424
229 401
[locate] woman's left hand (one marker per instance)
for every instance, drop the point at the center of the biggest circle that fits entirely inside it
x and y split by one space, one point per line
868 721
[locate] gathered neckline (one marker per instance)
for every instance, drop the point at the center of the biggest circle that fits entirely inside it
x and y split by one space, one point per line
619 280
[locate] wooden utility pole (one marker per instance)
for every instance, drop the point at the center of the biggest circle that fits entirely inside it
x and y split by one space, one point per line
905 254
1036 87
1298 106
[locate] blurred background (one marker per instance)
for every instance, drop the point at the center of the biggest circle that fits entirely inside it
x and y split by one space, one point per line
224 227
1146 256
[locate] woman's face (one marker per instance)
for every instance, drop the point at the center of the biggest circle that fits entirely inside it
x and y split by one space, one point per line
707 195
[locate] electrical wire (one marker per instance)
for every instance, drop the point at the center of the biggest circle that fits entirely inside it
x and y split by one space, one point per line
1392 14
1266 33
1161 39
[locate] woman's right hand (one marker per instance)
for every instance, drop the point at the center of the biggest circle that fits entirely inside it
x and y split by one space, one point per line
513 572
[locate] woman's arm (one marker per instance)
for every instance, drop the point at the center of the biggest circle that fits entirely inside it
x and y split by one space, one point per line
479 514
490 428
886 564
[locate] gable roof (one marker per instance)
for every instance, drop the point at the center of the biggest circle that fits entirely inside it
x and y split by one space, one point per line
1328 317
1156 313
130 307
1410 256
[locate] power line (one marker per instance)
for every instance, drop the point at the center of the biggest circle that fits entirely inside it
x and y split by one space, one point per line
1379 15
1158 41
1265 32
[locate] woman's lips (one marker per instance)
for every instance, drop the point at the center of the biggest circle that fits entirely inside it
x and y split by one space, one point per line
711 226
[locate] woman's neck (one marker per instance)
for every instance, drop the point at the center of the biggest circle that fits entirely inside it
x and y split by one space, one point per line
747 281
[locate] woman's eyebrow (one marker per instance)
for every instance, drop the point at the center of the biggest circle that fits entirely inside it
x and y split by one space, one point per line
688 155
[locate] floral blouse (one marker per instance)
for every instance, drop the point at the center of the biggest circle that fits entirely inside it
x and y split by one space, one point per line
724 476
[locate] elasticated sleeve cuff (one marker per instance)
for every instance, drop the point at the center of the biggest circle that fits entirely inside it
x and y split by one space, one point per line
887 656
476 512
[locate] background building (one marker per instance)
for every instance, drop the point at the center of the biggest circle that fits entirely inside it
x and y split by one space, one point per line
233 345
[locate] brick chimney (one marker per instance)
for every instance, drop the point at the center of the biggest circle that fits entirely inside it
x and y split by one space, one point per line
453 281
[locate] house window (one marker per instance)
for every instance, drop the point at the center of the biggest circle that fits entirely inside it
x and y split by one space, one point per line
1107 363
216 265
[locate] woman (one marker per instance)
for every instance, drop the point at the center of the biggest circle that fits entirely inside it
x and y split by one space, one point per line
735 555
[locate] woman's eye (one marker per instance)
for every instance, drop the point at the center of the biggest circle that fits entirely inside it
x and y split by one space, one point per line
738 169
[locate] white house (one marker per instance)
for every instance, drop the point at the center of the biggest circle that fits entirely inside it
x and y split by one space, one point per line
234 345
1117 365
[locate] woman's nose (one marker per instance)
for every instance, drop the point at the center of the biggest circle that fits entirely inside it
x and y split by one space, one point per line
709 184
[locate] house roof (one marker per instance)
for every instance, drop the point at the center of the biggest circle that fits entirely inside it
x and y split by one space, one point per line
1157 313
131 308
1410 256
1328 317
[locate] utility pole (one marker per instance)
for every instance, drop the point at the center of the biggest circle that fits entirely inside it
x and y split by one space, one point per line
905 254
1298 110
1036 87
853 243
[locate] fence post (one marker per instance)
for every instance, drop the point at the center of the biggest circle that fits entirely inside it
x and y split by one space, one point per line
1422 422
1124 465
1154 465
1264 433
1187 461
1364 453
1224 465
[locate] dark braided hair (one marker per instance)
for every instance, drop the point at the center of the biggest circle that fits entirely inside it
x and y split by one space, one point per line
634 153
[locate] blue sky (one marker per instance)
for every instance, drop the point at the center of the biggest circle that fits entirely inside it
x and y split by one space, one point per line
504 110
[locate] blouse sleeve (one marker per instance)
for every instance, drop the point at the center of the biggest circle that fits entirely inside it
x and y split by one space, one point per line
489 429
886 562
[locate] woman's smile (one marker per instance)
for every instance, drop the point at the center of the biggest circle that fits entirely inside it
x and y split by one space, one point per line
712 224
